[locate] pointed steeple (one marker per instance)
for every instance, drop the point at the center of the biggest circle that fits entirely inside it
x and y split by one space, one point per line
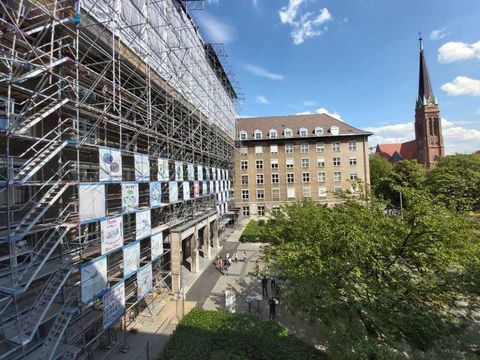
425 93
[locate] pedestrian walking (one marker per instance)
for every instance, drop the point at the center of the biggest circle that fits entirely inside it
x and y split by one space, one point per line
228 258
245 259
273 305
273 284
225 269
235 256
257 267
264 286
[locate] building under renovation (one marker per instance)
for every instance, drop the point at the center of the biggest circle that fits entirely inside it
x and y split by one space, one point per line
116 138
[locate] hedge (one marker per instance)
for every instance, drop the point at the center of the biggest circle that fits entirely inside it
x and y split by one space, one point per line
252 232
222 335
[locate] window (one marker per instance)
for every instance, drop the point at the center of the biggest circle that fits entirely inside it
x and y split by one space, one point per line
337 176
258 150
334 130
276 208
318 131
337 190
290 178
352 161
288 149
321 177
320 147
305 163
306 177
245 195
261 210
261 194
289 163
352 145
244 165
290 193
287 133
259 178
276 194
304 148
336 146
243 135
259 164
258 134
244 179
274 149
322 192
274 178
243 151
353 176
246 210
303 132
306 192
274 163
336 161
272 134
320 162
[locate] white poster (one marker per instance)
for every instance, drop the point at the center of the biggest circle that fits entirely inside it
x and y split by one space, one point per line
173 191
113 304
155 194
142 167
218 174
178 171
200 172
93 277
91 202
110 164
207 173
163 173
129 197
212 190
186 190
131 259
217 186
230 298
214 174
204 188
144 281
143 224
111 231
156 245
196 189
190 172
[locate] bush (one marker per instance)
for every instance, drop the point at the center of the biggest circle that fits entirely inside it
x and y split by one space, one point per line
252 232
222 335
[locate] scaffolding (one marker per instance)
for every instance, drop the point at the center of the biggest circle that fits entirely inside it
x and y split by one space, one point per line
98 98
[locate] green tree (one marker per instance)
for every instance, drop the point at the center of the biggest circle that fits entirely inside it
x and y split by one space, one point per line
380 176
382 284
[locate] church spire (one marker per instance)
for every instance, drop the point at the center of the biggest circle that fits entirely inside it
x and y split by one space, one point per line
425 93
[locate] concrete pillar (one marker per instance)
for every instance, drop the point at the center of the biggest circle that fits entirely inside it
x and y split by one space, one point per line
216 244
194 252
175 261
207 253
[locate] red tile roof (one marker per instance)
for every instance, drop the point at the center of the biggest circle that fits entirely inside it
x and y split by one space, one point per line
407 150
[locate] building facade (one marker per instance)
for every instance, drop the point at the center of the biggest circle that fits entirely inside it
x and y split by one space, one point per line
286 158
116 143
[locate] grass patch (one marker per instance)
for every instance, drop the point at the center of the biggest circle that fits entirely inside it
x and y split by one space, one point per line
252 232
213 335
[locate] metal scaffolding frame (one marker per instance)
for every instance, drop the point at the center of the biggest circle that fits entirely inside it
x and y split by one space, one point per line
77 76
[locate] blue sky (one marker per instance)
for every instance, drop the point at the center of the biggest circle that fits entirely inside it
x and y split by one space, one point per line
356 59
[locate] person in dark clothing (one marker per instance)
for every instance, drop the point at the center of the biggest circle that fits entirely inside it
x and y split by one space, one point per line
273 284
264 286
273 304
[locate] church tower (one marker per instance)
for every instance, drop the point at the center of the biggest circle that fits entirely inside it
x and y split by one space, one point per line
428 126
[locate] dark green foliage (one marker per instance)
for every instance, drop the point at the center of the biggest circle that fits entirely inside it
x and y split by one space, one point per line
252 232
221 335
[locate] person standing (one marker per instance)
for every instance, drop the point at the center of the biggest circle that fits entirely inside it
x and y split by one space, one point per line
273 284
245 259
273 305
264 286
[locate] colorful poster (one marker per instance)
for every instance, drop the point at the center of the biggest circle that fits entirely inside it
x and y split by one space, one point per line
131 259
156 245
163 171
143 224
142 167
110 164
129 197
93 277
91 202
196 189
190 172
200 172
186 190
172 191
111 231
113 304
155 194
204 188
178 171
144 281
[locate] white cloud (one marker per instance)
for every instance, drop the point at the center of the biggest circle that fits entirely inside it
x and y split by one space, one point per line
458 51
305 24
304 113
439 34
259 71
260 99
457 139
216 30
462 85
325 111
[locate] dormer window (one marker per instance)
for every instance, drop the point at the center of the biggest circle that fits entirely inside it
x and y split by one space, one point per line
243 135
272 134
318 131
303 132
334 130
258 134
288 133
